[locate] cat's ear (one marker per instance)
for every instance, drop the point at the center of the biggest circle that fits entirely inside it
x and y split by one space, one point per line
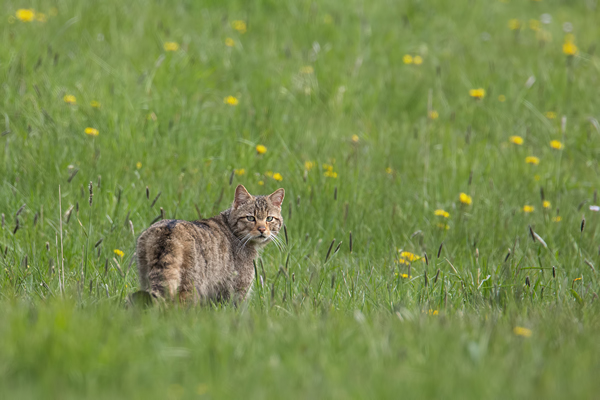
277 197
241 196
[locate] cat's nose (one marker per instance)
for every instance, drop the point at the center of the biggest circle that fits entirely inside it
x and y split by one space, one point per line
261 229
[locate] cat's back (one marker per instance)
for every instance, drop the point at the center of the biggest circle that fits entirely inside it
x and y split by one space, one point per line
174 233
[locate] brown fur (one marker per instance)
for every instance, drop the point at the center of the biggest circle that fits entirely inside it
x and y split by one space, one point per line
210 259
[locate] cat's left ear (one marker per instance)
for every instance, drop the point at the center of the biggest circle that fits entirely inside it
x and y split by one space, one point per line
277 197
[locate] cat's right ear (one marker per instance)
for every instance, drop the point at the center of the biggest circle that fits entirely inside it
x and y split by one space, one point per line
241 196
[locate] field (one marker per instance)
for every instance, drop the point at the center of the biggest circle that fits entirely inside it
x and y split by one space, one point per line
440 162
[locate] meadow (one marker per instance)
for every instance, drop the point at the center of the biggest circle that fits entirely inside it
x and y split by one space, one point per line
440 162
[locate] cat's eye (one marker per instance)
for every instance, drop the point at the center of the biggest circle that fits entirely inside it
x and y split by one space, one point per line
250 218
269 219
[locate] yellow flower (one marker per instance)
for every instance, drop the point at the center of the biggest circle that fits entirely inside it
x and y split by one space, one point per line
477 93
70 99
239 172
25 15
95 104
534 25
239 26
443 226
232 101
558 218
433 312
546 204
261 149
407 255
465 198
528 209
407 59
389 170
261 183
229 42
569 48
520 331
441 213
537 177
92 131
532 160
307 70
269 174
308 165
405 276
555 144
119 253
502 98
550 115
277 176
418 60
41 17
328 167
516 140
355 138
138 165
330 174
171 46
433 114
514 24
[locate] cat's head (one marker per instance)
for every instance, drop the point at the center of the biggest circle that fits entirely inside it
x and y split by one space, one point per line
256 219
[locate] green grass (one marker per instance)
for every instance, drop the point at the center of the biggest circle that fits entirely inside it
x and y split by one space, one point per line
351 326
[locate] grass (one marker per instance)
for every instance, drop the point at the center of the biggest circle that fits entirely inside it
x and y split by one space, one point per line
323 83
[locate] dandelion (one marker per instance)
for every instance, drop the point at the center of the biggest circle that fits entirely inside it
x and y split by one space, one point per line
239 26
308 165
550 114
232 101
477 93
555 144
407 59
514 24
389 170
403 276
528 209
328 167
433 114
465 199
432 312
532 160
558 218
355 138
269 174
41 17
138 165
229 42
520 331
25 15
534 25
516 140
95 104
441 213
261 183
407 255
418 60
91 131
570 49
330 174
171 46
239 172
307 70
443 226
119 253
70 99
546 204
261 149
502 98
277 176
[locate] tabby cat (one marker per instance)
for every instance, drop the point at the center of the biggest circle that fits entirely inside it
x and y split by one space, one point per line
210 259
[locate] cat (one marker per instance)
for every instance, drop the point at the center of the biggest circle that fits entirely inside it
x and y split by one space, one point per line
209 260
